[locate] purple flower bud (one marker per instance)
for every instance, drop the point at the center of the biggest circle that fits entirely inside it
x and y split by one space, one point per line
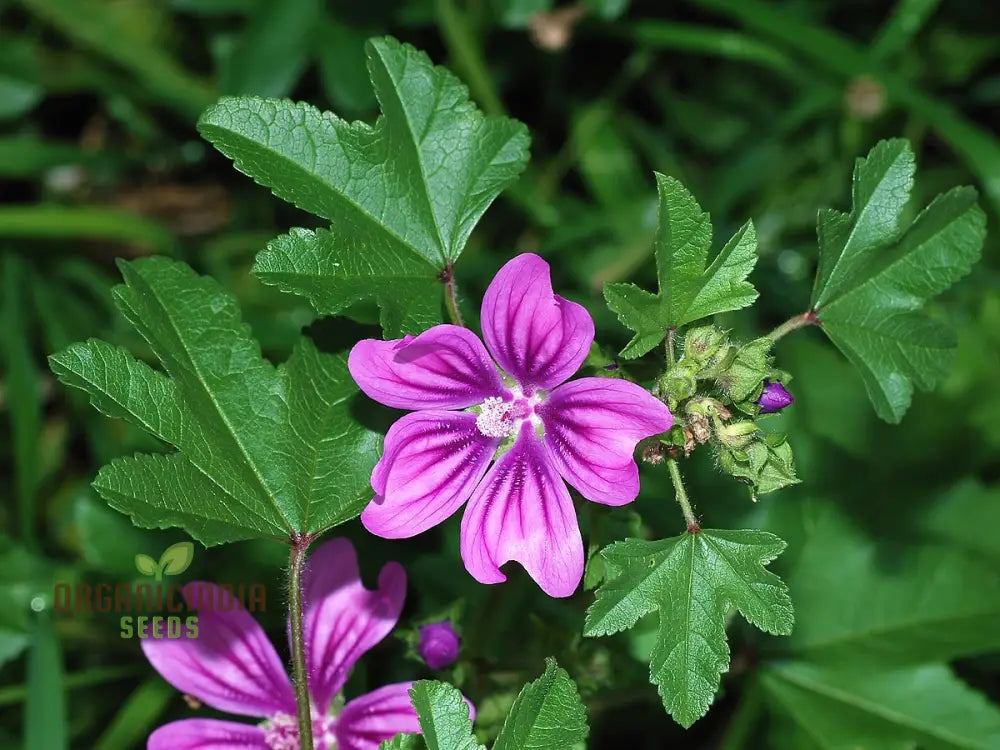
775 397
438 644
612 367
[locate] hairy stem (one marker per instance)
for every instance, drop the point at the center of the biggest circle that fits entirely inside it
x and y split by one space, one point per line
808 318
451 295
671 355
681 495
296 562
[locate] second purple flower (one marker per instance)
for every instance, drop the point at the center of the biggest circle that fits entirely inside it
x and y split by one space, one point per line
465 410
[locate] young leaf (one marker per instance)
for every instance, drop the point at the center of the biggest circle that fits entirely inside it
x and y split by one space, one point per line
444 716
176 558
547 714
924 706
262 451
874 277
145 564
402 195
688 290
692 580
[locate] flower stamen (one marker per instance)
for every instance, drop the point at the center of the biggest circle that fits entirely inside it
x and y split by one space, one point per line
495 418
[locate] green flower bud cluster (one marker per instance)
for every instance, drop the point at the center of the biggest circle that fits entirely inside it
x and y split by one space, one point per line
711 362
713 380
765 462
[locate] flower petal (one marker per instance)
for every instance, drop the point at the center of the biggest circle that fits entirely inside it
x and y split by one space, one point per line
376 716
522 511
207 734
592 426
535 335
445 367
432 462
230 665
342 619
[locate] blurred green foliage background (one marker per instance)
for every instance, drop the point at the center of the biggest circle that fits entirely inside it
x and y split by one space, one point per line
760 108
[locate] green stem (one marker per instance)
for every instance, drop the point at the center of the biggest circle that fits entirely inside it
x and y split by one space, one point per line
682 498
296 563
671 355
451 295
464 49
808 318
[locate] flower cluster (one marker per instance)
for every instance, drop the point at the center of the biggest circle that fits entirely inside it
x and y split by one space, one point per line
541 430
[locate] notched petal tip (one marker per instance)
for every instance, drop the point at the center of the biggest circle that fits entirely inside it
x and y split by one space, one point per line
522 511
535 335
342 618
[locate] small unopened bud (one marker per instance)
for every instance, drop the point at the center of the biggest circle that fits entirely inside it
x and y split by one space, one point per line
774 397
736 434
678 383
701 344
438 644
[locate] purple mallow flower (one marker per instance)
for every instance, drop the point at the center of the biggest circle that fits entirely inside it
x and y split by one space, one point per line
232 666
438 645
465 409
774 397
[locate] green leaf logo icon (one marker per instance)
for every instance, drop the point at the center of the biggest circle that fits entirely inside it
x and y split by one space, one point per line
146 564
175 560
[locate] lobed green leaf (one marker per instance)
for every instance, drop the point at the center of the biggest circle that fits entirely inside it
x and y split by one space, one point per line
262 451
403 195
688 291
875 275
692 580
